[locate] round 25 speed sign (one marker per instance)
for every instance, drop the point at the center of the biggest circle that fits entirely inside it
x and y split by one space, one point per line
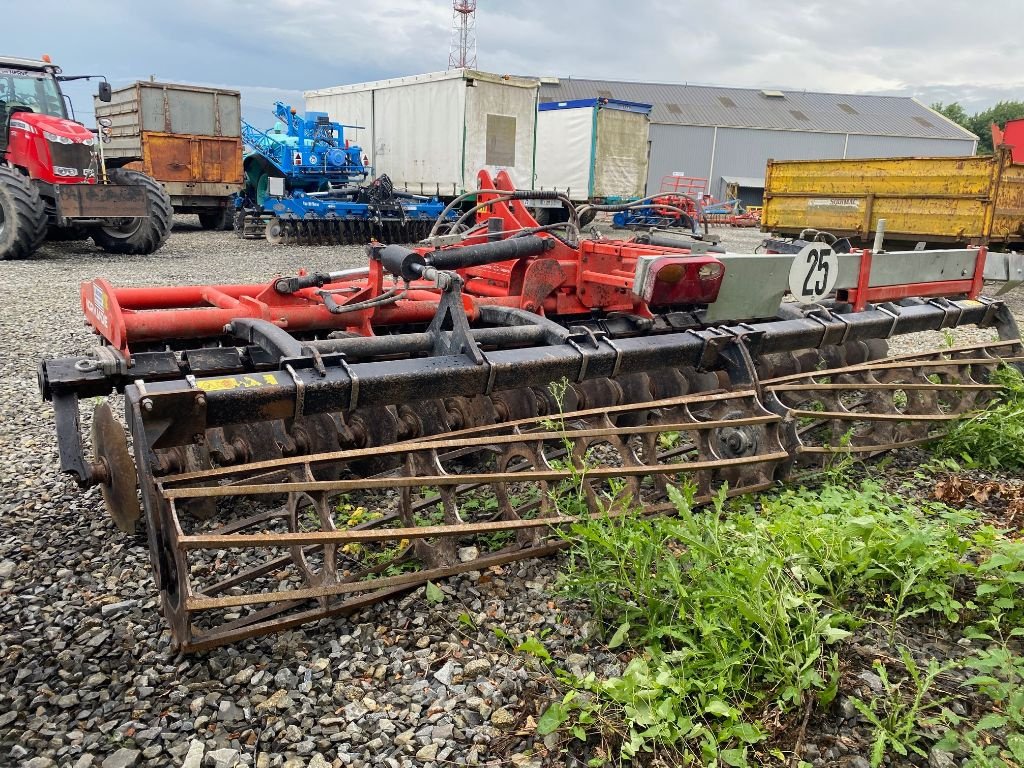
814 273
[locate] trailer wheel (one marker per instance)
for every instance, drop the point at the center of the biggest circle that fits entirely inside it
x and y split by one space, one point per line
138 236
218 219
22 215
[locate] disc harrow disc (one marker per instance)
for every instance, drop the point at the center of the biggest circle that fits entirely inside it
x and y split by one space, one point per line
120 485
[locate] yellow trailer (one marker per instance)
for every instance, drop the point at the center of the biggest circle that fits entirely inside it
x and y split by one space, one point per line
969 200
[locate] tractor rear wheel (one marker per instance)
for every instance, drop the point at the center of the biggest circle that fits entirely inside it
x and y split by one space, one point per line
22 215
137 236
218 219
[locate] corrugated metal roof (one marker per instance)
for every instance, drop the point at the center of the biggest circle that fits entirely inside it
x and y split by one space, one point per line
754 108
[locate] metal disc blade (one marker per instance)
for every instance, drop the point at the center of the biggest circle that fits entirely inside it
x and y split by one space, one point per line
110 446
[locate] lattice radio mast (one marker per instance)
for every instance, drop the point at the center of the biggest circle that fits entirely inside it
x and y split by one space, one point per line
462 54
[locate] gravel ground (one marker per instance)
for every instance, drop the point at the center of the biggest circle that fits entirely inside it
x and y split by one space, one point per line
87 677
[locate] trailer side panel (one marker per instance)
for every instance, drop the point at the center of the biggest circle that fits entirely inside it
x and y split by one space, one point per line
936 199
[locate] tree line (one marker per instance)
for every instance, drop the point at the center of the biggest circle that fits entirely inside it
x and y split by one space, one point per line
980 123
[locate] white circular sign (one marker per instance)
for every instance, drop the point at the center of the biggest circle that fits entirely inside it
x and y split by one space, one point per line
814 273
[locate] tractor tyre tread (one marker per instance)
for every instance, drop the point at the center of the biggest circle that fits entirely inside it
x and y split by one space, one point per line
153 231
24 216
218 220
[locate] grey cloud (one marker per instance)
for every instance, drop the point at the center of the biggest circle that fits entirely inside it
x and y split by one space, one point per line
949 50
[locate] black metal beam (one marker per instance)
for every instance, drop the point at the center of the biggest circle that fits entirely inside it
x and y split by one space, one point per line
341 385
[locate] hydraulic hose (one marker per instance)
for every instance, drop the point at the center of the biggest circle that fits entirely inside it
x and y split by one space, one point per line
644 203
410 265
504 196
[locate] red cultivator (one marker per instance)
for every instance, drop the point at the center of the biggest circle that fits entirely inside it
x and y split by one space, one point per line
318 443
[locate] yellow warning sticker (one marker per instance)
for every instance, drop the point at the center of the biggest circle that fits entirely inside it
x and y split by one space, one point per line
237 382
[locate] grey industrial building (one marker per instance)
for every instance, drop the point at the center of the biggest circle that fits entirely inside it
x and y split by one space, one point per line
727 135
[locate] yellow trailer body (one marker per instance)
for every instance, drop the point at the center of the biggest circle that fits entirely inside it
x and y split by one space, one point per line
969 200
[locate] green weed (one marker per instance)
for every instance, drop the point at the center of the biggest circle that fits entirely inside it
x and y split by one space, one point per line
897 716
728 613
992 438
995 740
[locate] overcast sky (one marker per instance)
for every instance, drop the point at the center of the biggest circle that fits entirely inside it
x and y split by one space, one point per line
948 50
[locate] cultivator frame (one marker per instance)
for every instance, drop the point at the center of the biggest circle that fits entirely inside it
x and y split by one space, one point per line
427 382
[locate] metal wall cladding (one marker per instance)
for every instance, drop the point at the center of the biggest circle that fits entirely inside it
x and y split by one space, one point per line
861 146
620 154
744 152
678 149
972 200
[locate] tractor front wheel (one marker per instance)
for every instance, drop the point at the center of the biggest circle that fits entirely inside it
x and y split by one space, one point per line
137 236
22 215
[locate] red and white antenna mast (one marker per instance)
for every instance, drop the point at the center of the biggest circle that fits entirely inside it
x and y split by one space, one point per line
462 54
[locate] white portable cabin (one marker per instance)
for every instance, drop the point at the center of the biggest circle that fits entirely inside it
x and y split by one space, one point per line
432 133
593 149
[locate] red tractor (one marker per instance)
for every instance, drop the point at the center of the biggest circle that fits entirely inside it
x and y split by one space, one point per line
53 179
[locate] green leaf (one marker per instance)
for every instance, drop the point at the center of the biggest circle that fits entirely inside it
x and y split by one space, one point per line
948 743
832 634
534 647
734 757
718 707
878 750
465 618
1015 741
434 593
501 634
992 720
619 636
552 719
747 733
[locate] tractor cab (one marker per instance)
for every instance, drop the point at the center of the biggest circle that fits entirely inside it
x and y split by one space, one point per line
29 86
